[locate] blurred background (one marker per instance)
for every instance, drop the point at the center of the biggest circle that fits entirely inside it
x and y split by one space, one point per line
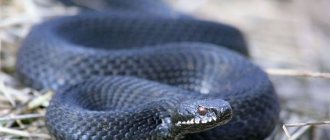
289 39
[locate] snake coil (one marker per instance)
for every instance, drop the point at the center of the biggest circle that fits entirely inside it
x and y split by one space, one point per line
127 75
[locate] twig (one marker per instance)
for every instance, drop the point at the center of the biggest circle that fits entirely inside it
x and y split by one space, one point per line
297 73
286 132
0 51
40 100
15 21
306 124
297 134
21 117
30 104
7 94
22 133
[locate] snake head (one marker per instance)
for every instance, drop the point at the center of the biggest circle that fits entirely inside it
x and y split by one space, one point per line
199 115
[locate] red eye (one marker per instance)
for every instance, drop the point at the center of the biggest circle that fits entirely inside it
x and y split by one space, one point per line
202 111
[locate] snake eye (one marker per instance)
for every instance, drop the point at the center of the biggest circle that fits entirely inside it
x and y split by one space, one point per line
202 110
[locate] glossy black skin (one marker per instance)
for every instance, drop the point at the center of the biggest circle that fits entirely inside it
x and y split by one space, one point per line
175 65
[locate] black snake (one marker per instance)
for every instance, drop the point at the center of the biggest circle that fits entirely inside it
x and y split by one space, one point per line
127 75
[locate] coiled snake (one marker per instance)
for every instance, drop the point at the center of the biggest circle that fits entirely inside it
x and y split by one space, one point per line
127 75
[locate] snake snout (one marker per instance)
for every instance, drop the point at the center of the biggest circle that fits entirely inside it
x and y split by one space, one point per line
223 110
202 114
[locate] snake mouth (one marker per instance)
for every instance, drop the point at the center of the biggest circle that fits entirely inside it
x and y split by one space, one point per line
197 121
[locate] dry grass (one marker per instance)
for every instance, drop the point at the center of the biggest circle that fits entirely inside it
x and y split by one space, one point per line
287 38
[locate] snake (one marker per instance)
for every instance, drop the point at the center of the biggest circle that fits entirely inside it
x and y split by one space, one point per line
137 74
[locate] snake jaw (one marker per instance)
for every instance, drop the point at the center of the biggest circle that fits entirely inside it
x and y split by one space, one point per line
165 127
198 120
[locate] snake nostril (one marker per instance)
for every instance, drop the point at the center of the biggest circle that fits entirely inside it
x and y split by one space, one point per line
202 110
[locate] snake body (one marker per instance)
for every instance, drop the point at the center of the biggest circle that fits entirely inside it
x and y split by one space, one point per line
124 76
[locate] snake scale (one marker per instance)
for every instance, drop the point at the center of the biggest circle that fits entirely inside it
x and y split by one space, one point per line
143 74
